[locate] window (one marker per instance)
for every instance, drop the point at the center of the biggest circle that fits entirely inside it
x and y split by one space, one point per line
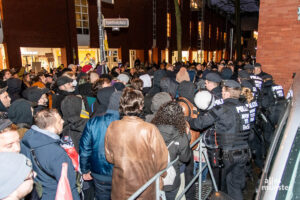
191 26
217 33
225 37
209 31
200 29
82 16
255 35
168 25
291 177
195 4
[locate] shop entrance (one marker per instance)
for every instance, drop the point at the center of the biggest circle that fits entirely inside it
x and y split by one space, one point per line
2 57
132 57
47 58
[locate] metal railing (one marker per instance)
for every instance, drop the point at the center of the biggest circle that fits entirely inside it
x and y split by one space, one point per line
156 177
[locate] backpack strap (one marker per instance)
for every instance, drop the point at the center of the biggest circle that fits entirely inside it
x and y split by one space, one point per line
170 144
184 101
32 151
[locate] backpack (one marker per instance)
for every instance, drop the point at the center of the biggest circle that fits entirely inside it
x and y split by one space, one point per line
189 111
171 173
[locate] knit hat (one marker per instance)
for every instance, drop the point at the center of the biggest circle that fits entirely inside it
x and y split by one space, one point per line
146 80
14 169
123 77
63 80
33 94
114 101
158 100
86 68
20 112
4 123
71 106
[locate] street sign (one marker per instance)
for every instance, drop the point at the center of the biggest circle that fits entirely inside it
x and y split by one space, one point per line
116 23
108 1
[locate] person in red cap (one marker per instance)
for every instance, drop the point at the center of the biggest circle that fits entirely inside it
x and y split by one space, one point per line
86 68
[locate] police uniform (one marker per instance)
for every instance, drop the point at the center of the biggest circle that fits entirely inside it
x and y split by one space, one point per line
244 75
256 140
232 125
272 102
217 91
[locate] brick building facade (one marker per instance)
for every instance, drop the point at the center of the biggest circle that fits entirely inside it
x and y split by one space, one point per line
279 39
52 24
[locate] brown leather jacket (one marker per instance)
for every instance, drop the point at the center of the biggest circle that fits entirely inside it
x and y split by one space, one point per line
137 151
189 110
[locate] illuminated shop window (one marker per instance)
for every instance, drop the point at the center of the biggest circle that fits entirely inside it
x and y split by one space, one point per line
168 25
200 29
195 4
255 35
82 16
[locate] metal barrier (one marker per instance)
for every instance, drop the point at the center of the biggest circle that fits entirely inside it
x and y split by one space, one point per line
156 178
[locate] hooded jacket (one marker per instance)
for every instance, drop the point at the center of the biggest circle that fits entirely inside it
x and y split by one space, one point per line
14 88
58 98
100 106
20 112
180 148
158 100
186 89
51 157
137 151
92 149
169 86
71 108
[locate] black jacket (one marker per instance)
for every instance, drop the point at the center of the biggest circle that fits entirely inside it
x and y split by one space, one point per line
231 121
180 147
58 98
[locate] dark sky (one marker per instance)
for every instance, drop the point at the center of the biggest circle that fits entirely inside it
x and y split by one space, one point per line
228 5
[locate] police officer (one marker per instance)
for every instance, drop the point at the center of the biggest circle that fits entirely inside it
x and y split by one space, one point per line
243 75
272 104
231 121
258 71
256 140
212 84
256 79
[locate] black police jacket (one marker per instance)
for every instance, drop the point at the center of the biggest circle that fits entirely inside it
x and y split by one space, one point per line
231 121
217 92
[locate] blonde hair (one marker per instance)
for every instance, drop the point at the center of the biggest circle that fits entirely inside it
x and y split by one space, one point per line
247 93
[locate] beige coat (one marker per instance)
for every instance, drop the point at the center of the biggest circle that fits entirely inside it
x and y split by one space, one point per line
137 151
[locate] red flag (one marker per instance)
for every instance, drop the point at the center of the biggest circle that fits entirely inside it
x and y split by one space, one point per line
63 191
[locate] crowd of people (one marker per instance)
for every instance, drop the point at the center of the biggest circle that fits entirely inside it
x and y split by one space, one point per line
116 130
